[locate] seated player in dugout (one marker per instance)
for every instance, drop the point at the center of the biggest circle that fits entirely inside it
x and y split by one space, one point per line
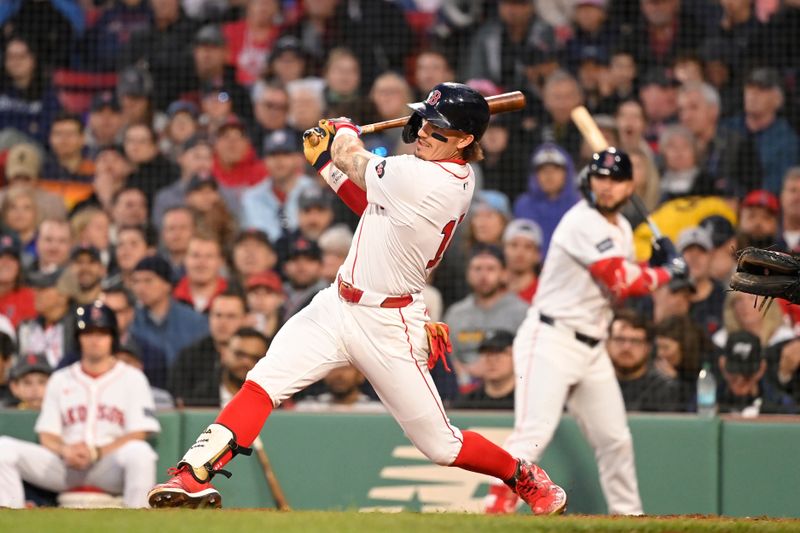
373 316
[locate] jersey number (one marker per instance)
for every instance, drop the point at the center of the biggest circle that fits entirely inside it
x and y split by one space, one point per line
447 235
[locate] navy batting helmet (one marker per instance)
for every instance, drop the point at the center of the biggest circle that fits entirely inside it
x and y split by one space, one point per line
97 316
452 106
611 163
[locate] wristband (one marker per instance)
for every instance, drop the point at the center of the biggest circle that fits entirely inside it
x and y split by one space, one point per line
333 176
322 161
346 129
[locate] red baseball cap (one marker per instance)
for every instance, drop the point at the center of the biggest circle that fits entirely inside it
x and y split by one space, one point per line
268 279
762 198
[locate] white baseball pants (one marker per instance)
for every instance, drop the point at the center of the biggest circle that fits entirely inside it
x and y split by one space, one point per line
389 346
554 368
129 470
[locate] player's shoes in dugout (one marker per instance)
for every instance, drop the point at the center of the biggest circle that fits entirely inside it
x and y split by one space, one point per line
184 490
532 484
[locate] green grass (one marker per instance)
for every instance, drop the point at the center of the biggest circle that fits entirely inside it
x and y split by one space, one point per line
263 521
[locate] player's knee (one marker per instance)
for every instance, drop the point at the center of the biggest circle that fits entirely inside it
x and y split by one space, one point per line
615 443
440 451
136 451
9 450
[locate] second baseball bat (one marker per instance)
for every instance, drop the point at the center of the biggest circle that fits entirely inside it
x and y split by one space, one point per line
272 480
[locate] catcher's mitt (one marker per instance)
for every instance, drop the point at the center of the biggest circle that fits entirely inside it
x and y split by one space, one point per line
767 273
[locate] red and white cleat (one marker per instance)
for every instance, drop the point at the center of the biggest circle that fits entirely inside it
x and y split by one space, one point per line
501 500
536 489
183 490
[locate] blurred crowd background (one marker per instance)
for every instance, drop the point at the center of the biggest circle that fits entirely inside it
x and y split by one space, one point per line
150 156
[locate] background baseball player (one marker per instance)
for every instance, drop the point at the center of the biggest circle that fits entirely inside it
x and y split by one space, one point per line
373 317
559 355
95 417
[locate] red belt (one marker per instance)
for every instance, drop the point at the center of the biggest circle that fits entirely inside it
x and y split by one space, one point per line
351 294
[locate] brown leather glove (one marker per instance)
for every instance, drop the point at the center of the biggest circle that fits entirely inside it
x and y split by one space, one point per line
438 343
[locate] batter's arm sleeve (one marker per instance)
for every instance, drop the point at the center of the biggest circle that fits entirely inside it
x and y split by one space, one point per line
49 420
140 411
626 278
351 194
397 184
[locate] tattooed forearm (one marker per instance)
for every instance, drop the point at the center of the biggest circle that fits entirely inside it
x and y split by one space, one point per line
350 157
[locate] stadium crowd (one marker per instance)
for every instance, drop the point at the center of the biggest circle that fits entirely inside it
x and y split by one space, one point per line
151 157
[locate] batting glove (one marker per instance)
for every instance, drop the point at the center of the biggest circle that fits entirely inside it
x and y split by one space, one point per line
317 147
438 343
343 124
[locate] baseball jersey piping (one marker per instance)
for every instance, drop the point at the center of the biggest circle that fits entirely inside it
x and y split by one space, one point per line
438 405
355 258
526 381
465 176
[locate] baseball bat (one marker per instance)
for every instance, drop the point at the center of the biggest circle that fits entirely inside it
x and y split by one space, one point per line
597 142
501 103
269 474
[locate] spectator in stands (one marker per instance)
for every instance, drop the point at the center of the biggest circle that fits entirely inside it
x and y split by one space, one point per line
591 31
129 208
244 350
490 213
203 281
111 171
740 314
182 124
159 319
271 111
287 62
216 107
497 385
265 299
104 125
92 226
592 72
658 93
16 301
20 214
315 215
194 378
342 75
522 250
561 95
728 157
210 67
662 31
647 184
67 144
53 244
759 217
110 35
272 206
163 46
737 32
152 359
789 238
306 103
130 355
23 168
622 74
135 93
250 39
389 95
489 306
540 61
134 243
52 331
205 199
303 271
695 245
7 350
335 245
505 163
681 347
431 68
86 271
551 190
671 299
177 229
629 345
681 174
27 382
343 385
777 143
744 389
497 48
377 32
252 254
631 124
236 164
27 102
723 237
152 170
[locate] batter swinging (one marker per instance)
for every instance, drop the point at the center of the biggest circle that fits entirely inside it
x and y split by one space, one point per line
373 316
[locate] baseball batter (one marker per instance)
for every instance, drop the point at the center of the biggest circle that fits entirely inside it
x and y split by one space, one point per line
373 316
559 350
95 416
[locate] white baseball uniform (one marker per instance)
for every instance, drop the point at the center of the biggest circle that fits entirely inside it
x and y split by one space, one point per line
413 208
560 354
96 410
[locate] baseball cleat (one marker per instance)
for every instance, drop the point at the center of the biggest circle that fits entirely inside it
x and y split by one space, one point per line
536 489
501 500
183 490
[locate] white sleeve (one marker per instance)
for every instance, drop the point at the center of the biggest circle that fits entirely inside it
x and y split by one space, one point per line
140 410
49 420
396 184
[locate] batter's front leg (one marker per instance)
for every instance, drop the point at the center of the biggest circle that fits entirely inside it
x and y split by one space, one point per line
26 461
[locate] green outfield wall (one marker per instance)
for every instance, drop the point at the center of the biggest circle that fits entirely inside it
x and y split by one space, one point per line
685 464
